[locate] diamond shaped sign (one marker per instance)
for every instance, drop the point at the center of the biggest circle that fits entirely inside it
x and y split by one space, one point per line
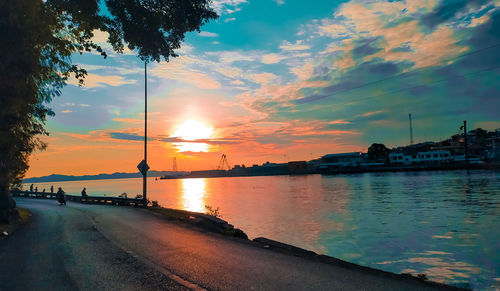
143 167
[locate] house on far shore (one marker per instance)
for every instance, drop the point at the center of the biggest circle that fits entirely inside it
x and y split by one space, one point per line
341 160
427 157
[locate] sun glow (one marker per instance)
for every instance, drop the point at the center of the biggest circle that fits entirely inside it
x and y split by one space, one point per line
193 130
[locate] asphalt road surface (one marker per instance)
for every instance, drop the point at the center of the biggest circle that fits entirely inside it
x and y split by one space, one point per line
81 247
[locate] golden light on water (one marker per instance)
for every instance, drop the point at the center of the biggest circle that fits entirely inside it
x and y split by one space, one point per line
193 193
192 130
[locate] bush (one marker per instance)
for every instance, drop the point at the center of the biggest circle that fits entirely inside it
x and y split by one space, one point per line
209 210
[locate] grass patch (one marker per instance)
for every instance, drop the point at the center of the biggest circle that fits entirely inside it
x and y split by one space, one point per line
24 216
172 214
208 222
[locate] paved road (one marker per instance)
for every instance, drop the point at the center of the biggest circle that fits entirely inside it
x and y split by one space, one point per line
119 248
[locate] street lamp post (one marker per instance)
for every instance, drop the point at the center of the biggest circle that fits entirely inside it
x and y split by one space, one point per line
145 174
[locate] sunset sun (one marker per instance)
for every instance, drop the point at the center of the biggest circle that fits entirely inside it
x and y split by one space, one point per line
193 130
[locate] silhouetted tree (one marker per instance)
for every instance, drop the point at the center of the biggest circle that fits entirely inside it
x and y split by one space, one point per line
37 41
378 152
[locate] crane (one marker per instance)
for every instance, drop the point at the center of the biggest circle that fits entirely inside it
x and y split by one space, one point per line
222 162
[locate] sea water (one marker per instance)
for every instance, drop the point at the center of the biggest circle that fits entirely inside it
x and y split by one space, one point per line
444 224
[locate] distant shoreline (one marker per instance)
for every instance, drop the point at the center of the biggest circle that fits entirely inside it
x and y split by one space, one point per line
69 178
117 175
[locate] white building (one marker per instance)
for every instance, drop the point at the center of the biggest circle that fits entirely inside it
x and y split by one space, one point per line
420 157
341 160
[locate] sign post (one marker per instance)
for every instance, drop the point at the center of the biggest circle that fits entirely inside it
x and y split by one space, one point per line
143 168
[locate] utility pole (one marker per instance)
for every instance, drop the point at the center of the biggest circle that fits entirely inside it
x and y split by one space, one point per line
465 144
411 130
145 174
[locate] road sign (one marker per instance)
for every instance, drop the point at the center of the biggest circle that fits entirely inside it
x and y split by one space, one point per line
143 167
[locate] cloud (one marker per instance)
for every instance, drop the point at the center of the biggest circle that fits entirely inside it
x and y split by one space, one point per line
365 47
297 46
121 69
126 136
330 91
477 21
66 111
231 72
447 10
208 34
229 19
234 56
178 70
95 135
272 58
100 38
95 80
131 135
339 121
303 72
263 78
380 31
238 82
197 141
373 113
228 6
332 29
129 120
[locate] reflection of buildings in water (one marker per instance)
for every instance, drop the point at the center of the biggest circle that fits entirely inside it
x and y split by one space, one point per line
193 193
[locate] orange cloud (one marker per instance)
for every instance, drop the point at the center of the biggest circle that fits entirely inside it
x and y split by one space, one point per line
372 113
339 121
130 120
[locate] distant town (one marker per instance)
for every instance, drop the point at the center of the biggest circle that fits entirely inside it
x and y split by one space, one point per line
476 149
482 151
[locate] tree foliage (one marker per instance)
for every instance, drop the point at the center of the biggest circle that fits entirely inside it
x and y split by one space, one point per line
38 39
378 152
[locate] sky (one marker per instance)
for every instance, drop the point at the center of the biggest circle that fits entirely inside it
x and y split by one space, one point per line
279 81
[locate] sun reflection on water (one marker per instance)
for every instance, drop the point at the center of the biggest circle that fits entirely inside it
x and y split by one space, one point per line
193 193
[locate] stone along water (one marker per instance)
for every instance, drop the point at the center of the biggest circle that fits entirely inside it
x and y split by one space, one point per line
443 224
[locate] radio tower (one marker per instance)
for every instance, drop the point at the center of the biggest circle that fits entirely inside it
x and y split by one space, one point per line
411 130
174 165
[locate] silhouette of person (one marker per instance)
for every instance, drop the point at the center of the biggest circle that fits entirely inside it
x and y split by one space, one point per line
31 188
52 189
36 189
84 193
60 196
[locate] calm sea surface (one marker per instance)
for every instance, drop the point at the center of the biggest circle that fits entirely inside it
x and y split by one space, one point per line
443 224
